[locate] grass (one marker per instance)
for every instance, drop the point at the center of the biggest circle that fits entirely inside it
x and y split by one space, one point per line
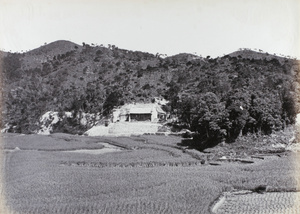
38 182
55 142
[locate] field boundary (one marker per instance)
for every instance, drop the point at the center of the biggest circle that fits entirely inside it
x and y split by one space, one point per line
129 165
217 203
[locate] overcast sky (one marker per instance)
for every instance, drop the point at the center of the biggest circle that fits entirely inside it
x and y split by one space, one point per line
205 27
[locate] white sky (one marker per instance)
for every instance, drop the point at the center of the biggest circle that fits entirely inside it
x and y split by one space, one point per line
205 27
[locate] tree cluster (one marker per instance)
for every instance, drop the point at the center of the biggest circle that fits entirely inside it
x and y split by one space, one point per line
236 97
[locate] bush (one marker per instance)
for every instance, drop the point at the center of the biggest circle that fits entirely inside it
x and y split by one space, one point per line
69 126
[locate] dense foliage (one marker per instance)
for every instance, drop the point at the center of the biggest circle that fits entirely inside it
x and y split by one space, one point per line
220 99
236 96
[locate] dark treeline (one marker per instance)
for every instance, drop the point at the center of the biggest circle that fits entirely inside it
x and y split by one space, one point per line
234 96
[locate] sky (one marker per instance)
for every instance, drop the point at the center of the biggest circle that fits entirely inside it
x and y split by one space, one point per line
202 27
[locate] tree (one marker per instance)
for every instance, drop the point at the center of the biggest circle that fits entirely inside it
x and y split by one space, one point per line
185 107
172 94
288 102
210 120
112 100
237 105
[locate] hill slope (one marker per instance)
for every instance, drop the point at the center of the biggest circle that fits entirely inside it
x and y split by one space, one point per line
242 92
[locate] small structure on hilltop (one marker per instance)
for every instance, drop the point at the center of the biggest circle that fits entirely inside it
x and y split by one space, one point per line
139 112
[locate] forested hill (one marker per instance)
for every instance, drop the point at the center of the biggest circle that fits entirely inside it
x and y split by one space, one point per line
245 91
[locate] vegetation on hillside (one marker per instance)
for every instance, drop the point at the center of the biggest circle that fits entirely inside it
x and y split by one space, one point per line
220 99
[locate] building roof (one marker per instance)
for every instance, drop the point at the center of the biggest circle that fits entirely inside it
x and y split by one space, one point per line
141 108
135 110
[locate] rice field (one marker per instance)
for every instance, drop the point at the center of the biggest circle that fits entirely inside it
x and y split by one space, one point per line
151 174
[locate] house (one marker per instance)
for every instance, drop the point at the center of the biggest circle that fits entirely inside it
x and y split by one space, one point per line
139 112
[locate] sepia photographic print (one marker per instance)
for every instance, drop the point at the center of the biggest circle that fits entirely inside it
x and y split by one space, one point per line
149 106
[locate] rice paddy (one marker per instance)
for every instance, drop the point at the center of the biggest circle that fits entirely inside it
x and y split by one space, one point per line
151 174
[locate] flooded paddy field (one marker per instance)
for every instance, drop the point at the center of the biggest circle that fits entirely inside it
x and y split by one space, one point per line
144 174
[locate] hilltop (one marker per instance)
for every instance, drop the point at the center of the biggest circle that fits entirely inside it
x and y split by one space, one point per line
250 54
54 48
204 93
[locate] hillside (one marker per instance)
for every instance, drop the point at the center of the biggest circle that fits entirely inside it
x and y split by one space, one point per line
250 54
245 91
36 57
